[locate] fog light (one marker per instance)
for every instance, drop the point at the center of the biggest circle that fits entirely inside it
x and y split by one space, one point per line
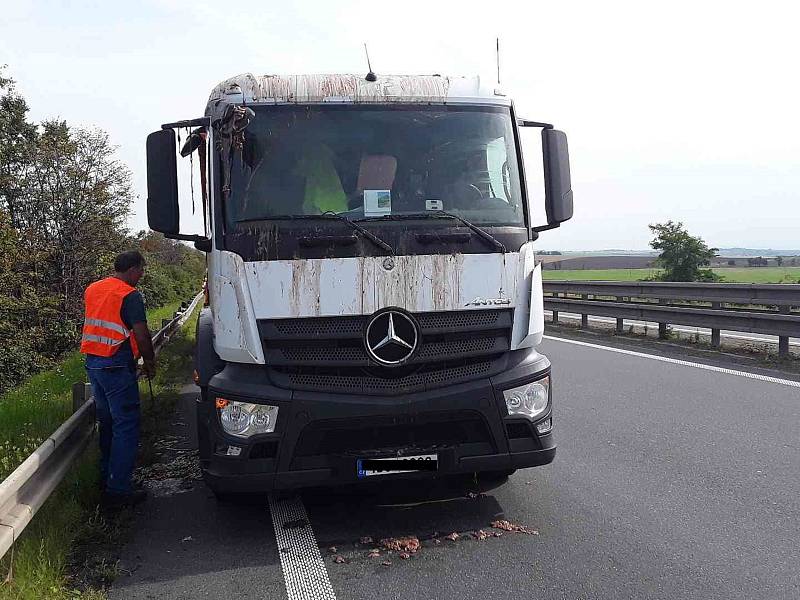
529 400
545 426
244 419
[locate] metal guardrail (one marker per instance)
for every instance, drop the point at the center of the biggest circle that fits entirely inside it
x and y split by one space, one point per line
741 307
24 491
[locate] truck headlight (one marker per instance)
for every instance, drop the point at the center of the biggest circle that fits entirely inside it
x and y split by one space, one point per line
529 400
244 419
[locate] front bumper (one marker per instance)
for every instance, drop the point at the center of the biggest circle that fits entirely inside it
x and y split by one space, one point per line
320 436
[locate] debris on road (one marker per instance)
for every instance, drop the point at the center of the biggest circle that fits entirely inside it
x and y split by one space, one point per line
338 559
509 526
401 544
387 563
188 538
365 540
374 553
480 534
404 555
452 537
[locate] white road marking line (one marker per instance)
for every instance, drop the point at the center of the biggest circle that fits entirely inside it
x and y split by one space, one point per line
303 568
676 361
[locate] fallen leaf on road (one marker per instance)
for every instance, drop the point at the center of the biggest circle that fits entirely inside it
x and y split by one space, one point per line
404 544
374 553
339 559
365 540
188 538
387 563
437 541
452 537
509 526
481 534
405 555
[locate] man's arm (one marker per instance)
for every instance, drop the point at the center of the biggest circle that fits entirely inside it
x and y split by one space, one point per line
145 343
134 315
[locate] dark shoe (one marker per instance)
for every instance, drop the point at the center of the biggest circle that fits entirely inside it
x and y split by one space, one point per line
112 500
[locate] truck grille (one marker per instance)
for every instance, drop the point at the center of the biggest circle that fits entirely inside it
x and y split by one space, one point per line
327 353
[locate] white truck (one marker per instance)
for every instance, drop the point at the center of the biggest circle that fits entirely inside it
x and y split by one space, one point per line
374 304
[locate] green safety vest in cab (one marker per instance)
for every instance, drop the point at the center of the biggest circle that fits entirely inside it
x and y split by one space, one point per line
323 188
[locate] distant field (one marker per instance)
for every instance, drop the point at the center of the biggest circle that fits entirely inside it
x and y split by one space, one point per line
731 275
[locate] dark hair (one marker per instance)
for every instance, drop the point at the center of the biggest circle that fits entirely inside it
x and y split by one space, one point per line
128 260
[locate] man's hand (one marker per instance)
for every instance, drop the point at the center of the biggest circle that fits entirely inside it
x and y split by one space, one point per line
149 368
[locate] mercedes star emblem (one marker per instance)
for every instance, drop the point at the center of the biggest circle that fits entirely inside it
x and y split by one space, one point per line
391 337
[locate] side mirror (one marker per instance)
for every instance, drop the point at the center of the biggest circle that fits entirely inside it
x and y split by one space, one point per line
557 182
163 213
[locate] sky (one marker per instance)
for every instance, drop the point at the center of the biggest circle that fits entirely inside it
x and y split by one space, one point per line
687 111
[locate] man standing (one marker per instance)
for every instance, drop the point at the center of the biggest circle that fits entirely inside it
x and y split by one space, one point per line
115 335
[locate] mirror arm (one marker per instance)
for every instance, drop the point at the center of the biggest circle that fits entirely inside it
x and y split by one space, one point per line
186 237
525 123
546 227
201 242
200 121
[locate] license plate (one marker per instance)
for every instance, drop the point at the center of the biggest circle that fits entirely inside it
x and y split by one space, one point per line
368 467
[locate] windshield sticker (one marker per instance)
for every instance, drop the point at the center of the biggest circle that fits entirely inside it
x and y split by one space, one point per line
433 205
377 202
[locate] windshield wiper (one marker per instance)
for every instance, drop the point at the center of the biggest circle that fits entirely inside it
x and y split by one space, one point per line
482 233
329 215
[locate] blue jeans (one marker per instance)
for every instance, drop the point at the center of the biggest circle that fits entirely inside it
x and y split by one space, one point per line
116 396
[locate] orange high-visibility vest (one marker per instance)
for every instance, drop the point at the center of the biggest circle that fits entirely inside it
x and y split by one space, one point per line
104 331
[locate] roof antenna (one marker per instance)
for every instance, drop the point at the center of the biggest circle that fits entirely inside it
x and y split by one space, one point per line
498 60
370 76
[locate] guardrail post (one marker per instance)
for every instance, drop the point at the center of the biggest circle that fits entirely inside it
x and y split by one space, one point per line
662 327
81 392
715 339
620 322
584 317
783 340
555 316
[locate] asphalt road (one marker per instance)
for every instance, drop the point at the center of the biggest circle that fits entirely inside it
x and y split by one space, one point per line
669 482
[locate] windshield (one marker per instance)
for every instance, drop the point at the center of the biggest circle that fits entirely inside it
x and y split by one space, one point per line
368 161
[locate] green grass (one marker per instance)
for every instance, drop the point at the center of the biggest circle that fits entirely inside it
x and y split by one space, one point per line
730 275
155 315
30 413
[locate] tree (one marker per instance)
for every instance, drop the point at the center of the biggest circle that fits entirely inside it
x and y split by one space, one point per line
76 199
681 254
17 137
64 200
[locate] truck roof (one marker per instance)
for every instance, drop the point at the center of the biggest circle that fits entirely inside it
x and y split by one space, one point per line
301 89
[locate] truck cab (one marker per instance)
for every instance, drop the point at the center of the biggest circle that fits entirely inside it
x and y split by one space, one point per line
374 305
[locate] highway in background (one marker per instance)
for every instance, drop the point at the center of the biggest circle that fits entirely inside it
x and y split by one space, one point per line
670 482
